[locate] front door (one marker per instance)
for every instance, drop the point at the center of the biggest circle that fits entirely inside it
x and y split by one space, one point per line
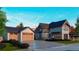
65 36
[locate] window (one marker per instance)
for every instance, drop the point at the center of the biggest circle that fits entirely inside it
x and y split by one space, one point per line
11 33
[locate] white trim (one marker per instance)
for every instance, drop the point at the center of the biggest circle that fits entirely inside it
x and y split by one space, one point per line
7 36
21 37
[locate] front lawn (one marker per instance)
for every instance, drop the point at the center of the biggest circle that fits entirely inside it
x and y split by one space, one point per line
9 47
67 42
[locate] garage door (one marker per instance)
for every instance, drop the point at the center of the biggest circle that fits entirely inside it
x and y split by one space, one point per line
27 36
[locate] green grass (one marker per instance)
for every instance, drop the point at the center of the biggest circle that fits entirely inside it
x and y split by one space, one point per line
67 42
9 47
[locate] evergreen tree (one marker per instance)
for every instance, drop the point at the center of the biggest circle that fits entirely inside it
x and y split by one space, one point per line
77 25
3 21
20 25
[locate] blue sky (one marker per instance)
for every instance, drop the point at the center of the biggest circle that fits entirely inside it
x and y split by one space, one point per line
32 16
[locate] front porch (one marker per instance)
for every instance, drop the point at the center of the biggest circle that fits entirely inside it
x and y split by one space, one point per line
58 36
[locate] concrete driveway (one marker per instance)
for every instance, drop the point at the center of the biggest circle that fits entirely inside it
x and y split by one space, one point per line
38 45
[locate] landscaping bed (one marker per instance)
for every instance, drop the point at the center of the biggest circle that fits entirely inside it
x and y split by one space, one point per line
12 45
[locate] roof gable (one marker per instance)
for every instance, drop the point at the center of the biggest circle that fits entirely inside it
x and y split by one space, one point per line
28 30
43 25
15 29
57 24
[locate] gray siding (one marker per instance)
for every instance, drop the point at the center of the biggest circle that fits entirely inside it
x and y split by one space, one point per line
58 29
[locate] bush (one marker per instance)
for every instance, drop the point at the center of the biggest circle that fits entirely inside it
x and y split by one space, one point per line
23 45
4 41
18 44
14 42
2 45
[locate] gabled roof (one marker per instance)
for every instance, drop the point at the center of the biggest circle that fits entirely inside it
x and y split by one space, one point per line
56 24
15 29
43 25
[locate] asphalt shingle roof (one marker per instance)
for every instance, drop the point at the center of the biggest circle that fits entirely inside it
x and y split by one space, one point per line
56 24
15 29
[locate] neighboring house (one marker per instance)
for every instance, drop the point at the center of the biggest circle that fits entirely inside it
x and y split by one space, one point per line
20 34
72 29
41 32
56 30
59 30
73 34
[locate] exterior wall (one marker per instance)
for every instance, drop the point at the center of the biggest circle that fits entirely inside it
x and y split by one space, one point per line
42 33
27 35
45 35
12 36
1 38
38 36
65 30
57 36
58 29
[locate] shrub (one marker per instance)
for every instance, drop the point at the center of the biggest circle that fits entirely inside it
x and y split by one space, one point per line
2 45
23 45
4 41
14 42
18 44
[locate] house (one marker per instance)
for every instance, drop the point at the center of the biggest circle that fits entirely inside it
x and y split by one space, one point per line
73 35
20 34
59 30
72 29
56 30
41 32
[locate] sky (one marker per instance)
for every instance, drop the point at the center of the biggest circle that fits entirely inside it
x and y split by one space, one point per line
32 16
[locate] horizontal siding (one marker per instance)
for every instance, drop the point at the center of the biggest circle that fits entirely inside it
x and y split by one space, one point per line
56 30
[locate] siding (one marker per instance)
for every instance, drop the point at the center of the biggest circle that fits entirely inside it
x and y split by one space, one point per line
65 30
45 35
13 36
58 29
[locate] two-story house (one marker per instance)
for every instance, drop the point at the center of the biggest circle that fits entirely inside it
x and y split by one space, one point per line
56 30
41 31
59 30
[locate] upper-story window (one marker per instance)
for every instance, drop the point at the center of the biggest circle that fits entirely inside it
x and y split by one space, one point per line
65 28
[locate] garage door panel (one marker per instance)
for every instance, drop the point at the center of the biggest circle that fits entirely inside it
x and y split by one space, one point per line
27 36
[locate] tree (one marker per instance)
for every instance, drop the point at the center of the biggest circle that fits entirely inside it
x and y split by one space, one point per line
77 25
20 25
3 21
